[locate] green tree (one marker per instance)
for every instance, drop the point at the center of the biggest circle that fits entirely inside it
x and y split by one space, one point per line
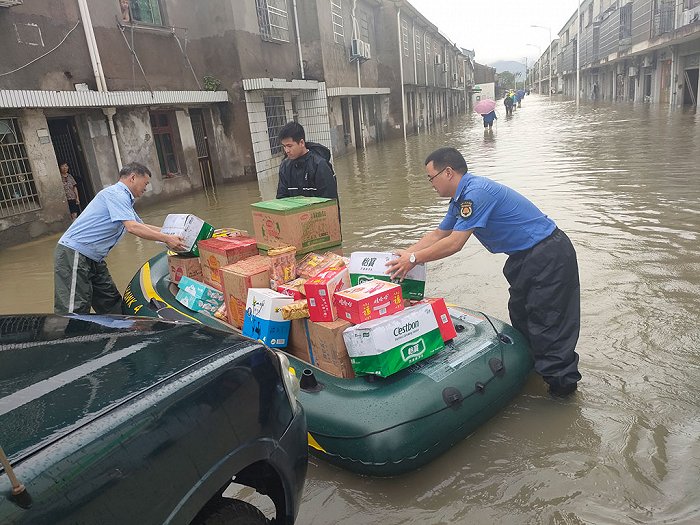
506 79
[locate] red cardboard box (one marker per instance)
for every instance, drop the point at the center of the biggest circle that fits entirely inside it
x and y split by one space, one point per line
237 279
369 300
218 252
442 316
179 265
294 289
319 292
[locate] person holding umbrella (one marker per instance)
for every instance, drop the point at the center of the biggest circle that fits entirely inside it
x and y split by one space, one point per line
486 108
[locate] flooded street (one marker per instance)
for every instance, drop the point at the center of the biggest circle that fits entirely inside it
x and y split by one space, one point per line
622 182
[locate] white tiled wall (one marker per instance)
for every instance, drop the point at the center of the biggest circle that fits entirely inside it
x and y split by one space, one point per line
313 115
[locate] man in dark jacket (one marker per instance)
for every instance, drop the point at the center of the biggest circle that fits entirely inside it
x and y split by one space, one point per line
306 169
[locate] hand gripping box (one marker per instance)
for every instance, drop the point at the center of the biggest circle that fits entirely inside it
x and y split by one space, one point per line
372 265
190 227
263 317
308 223
386 345
320 290
369 300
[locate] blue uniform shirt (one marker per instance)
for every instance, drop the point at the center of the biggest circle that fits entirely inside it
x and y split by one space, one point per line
503 220
99 227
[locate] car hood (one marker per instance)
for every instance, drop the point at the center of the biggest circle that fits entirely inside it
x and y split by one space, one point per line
58 373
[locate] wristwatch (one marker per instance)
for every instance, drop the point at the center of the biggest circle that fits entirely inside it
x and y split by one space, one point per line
412 258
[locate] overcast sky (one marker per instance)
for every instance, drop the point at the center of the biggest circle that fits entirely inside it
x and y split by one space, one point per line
500 29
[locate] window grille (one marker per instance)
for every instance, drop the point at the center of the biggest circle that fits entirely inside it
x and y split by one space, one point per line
18 192
626 21
404 36
363 19
337 21
276 118
419 51
273 20
165 148
146 11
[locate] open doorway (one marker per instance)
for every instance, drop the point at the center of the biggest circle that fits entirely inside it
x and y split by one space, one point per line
690 87
66 145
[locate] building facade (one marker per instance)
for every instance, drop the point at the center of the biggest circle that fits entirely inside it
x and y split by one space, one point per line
199 94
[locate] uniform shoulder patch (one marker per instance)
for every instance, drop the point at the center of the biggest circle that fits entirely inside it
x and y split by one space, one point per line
465 209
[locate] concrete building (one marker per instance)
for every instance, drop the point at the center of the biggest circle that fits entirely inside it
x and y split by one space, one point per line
639 50
199 94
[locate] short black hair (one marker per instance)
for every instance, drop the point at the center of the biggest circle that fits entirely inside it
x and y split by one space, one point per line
292 130
61 162
134 168
443 157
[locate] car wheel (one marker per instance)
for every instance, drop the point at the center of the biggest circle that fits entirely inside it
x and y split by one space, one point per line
230 512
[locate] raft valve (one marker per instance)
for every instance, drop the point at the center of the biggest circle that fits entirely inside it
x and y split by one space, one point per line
308 382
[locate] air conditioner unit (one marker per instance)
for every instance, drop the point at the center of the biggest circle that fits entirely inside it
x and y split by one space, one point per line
438 59
444 68
356 46
454 76
10 3
368 52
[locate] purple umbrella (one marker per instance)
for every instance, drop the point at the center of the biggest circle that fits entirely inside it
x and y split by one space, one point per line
485 106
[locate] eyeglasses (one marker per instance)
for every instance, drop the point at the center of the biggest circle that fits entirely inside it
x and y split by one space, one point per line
430 179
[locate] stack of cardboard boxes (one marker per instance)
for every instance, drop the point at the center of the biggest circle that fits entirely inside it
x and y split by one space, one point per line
341 315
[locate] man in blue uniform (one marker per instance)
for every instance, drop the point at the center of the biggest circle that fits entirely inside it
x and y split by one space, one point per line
541 267
81 277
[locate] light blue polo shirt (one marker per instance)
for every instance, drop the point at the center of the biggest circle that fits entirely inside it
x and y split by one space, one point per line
100 226
503 220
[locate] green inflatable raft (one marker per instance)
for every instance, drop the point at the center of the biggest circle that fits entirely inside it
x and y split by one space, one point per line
384 426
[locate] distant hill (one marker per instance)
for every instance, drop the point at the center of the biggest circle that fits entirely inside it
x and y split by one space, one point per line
508 65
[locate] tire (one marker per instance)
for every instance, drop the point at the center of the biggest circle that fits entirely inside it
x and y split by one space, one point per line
230 512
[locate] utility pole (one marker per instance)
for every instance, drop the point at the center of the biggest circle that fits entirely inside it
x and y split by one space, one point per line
578 55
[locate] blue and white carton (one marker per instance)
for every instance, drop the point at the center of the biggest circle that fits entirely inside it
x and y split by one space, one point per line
263 317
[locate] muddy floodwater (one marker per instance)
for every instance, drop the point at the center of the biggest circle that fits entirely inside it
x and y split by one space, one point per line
624 182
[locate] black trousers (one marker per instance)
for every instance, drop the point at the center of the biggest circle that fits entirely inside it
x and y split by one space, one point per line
545 305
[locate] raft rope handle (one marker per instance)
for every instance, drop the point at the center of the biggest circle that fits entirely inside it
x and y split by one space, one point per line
475 391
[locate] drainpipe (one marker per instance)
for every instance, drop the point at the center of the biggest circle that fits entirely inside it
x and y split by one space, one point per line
356 34
99 74
403 96
296 26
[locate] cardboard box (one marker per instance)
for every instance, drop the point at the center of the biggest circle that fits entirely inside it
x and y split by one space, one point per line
230 232
328 347
386 345
263 317
365 266
319 292
442 316
308 223
198 304
222 251
200 290
322 345
369 300
283 265
179 266
190 227
237 279
212 277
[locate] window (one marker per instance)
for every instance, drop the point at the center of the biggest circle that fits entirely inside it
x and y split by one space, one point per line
276 118
145 11
626 21
404 36
163 137
419 53
363 22
337 21
17 189
273 20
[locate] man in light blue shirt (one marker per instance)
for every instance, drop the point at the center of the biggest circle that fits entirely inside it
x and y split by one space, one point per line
541 269
81 277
